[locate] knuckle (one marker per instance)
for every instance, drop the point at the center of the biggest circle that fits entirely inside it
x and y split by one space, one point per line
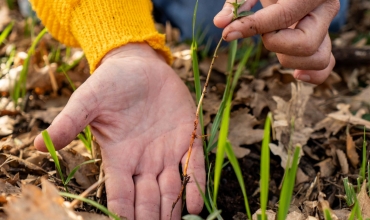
286 17
333 6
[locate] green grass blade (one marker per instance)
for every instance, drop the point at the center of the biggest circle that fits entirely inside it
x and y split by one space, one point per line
327 214
69 80
288 185
206 202
216 122
265 167
240 68
235 164
214 215
221 149
6 32
191 217
20 85
233 47
352 216
72 173
90 202
350 193
67 67
50 146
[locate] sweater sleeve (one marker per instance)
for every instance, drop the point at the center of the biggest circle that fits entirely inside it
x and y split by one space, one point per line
98 26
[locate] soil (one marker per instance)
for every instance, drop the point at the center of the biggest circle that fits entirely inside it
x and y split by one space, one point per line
345 86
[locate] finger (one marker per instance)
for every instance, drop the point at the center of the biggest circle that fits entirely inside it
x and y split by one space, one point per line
225 16
196 171
75 116
147 197
170 185
120 190
315 77
274 17
306 37
318 61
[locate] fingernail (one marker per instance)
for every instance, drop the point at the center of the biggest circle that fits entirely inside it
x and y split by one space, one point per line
305 78
225 12
233 35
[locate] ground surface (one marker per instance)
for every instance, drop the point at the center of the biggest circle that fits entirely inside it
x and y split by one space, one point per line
329 119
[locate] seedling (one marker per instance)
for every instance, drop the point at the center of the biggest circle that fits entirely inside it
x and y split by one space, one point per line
265 167
20 85
6 32
50 147
91 202
288 185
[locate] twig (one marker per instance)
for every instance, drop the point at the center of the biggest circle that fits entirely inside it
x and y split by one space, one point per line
87 191
185 175
53 81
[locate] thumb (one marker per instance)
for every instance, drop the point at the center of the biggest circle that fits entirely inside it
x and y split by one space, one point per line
76 115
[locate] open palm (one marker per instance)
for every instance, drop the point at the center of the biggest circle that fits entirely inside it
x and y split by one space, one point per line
142 116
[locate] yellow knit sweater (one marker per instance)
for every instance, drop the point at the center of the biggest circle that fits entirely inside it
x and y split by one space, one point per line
98 26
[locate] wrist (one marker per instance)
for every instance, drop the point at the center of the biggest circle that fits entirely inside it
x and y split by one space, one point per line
142 50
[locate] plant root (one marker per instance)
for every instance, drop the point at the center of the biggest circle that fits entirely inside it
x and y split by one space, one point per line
194 135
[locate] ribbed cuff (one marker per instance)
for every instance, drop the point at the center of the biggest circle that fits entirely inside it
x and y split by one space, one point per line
102 25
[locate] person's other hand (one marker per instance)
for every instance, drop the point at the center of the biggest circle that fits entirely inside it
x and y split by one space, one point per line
296 30
142 116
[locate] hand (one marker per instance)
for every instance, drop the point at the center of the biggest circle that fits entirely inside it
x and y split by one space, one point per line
142 116
296 30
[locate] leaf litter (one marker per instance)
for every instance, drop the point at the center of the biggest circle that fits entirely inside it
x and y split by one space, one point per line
326 120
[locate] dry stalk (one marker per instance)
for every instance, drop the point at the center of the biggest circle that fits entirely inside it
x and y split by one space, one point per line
185 175
53 81
86 192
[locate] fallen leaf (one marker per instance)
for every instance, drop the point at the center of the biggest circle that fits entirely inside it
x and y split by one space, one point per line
271 215
18 162
35 204
295 216
8 189
324 205
6 125
351 151
290 112
47 115
85 175
342 161
242 132
342 214
327 167
364 201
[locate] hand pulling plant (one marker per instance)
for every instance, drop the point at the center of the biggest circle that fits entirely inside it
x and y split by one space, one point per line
200 98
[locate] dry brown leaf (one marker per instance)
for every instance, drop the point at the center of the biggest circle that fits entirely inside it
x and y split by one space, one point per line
18 162
47 115
342 161
342 214
6 125
293 110
4 15
8 189
241 131
35 204
345 115
295 215
211 104
364 201
324 204
352 155
271 215
335 121
327 167
85 176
